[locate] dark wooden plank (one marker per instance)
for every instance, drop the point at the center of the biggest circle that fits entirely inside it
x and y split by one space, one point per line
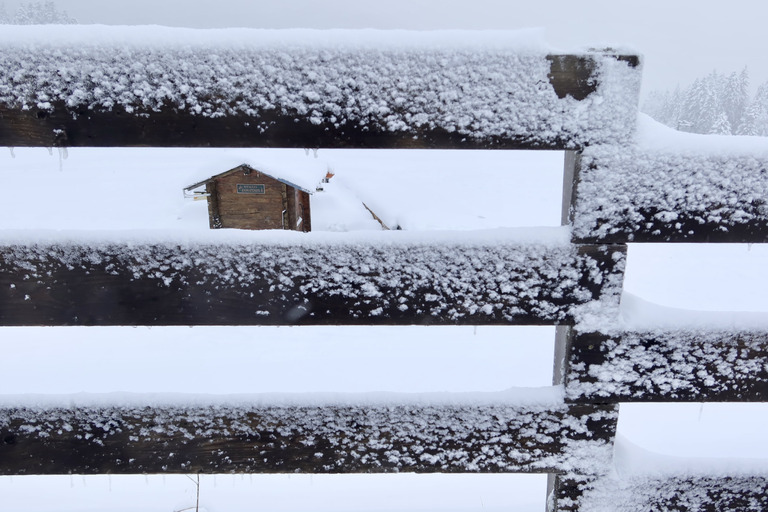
304 283
565 492
320 439
571 165
253 98
679 494
675 366
633 194
575 77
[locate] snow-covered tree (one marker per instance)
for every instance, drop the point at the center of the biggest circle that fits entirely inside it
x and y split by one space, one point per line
716 103
748 125
700 106
734 96
759 106
36 13
721 126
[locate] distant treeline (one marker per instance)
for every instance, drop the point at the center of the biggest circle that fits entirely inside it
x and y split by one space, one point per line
717 103
35 13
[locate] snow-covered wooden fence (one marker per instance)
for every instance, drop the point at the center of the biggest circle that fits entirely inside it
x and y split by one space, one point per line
306 89
442 282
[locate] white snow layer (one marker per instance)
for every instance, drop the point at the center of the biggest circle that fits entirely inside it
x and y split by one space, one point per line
141 189
669 181
252 360
477 84
279 493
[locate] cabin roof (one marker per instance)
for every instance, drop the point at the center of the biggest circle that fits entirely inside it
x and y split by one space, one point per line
242 167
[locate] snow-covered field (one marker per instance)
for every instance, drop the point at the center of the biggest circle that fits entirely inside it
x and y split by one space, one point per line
103 192
141 189
279 493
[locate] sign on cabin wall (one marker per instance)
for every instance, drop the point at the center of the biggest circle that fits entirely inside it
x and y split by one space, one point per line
249 188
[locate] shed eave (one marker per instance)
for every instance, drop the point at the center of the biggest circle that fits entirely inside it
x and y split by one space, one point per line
242 166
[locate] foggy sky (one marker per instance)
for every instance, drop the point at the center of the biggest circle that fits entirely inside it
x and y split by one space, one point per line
680 39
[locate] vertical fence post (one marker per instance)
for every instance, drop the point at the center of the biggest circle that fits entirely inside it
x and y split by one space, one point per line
571 164
563 337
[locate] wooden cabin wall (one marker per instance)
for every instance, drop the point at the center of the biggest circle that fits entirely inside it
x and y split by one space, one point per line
250 211
298 208
291 201
214 219
305 212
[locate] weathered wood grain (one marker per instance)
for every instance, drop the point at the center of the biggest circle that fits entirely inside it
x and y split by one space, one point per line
320 439
169 128
253 284
673 366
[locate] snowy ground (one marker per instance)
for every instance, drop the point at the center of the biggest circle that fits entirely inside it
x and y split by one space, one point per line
141 189
278 493
109 190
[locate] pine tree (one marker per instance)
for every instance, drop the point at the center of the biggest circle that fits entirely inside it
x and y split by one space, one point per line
735 97
748 124
761 107
721 126
690 109
701 108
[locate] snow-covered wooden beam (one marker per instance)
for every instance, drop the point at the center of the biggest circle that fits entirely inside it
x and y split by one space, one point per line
566 491
489 279
140 86
696 194
323 438
748 493
665 366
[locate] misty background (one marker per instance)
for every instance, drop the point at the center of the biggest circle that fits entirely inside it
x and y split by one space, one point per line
681 40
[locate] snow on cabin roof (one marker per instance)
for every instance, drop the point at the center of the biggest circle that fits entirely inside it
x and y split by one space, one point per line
298 169
245 167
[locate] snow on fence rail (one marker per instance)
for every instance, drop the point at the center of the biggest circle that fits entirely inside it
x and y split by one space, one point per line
665 366
321 438
304 283
134 87
640 194
679 494
174 87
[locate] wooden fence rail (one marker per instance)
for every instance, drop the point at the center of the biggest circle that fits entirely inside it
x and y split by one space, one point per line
275 94
671 366
301 283
319 438
309 96
668 196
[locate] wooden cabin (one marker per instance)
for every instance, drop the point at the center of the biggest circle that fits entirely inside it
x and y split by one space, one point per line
247 198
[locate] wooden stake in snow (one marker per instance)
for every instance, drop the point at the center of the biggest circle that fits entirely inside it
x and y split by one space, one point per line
383 226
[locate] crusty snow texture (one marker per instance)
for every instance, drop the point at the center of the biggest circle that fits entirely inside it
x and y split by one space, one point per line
673 365
630 193
449 282
682 494
478 91
317 439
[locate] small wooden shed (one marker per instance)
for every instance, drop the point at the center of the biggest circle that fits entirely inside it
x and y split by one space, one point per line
248 198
